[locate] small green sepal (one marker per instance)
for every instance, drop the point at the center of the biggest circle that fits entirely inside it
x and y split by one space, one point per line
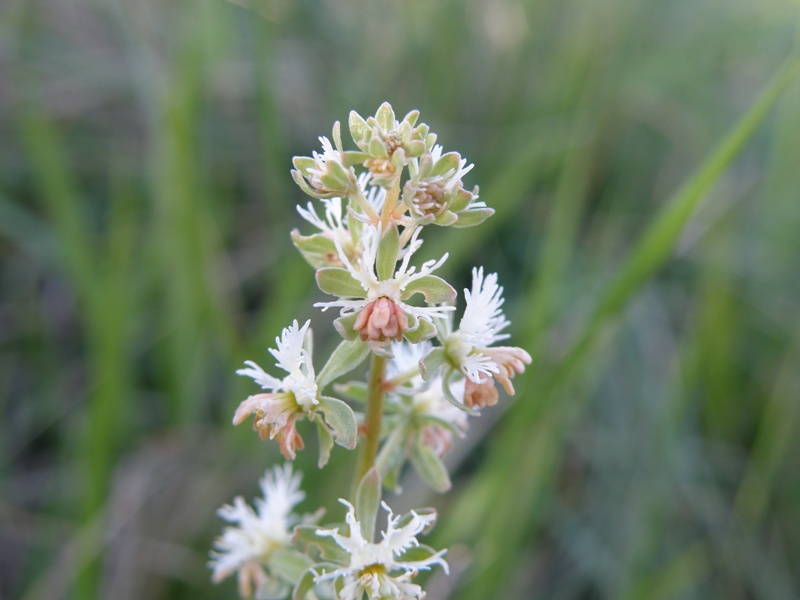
388 249
435 290
342 420
368 499
424 330
432 362
472 217
344 325
325 443
430 467
339 282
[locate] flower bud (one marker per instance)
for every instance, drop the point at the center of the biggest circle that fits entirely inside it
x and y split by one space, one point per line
478 395
381 321
325 175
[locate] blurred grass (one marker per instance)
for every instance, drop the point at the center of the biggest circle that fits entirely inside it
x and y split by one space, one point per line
145 205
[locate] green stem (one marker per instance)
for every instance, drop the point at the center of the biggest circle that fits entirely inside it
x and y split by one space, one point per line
372 419
359 199
401 379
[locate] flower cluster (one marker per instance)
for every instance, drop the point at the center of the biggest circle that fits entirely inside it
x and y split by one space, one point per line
426 378
383 569
252 546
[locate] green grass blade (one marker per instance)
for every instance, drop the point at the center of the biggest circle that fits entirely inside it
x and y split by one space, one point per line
512 521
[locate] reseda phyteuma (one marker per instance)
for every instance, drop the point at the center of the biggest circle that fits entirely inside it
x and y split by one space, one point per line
425 379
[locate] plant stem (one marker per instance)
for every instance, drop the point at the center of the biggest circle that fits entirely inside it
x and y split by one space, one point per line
402 378
372 419
390 202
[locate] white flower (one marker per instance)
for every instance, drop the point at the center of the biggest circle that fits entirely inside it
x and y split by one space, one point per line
392 289
324 175
430 196
324 163
451 179
480 327
378 569
440 418
290 397
333 224
374 194
247 546
483 318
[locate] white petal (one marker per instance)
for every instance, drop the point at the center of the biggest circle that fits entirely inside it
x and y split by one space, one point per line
477 367
267 382
290 352
483 318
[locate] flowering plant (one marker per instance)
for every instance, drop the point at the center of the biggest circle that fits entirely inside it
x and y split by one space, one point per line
424 381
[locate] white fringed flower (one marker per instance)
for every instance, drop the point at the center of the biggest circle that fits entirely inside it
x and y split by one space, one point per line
247 546
333 224
290 397
327 174
378 569
438 418
384 313
444 183
480 327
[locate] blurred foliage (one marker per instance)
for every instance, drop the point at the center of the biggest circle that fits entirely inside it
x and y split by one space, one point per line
145 205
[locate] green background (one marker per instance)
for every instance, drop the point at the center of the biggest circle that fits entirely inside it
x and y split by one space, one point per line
643 158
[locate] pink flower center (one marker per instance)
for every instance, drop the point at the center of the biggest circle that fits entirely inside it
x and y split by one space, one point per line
381 321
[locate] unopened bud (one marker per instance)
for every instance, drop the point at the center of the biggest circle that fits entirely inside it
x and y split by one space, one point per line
381 321
478 395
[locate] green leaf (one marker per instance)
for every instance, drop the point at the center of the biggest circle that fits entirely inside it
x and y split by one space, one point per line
385 116
388 249
317 249
325 443
417 553
339 282
391 477
399 158
376 147
303 163
446 219
305 538
425 330
411 118
415 148
352 158
431 420
337 136
344 325
368 498
459 199
429 467
303 184
451 398
272 588
448 162
304 586
289 564
358 127
432 362
435 290
391 457
340 417
347 356
354 390
470 218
